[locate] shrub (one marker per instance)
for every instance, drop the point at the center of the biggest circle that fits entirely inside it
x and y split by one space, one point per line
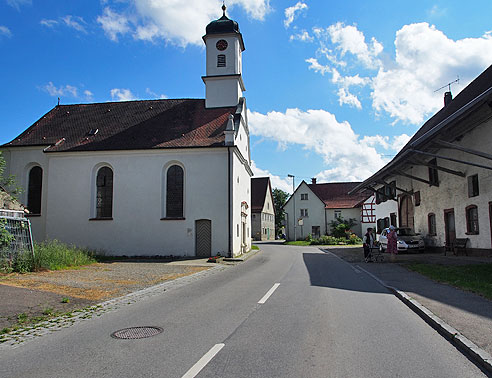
54 255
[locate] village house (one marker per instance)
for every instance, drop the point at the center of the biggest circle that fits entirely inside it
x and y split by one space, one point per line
441 180
153 177
312 208
262 209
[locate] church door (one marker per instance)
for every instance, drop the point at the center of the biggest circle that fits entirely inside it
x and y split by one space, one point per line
203 238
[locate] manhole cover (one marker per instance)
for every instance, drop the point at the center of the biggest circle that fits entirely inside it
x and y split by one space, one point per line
136 332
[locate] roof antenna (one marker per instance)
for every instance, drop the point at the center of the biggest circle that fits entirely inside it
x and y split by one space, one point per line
448 85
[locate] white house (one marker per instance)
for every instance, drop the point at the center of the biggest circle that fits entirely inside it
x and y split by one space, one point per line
442 178
312 208
262 209
156 177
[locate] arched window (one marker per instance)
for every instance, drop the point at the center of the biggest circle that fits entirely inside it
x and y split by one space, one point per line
34 188
104 193
174 192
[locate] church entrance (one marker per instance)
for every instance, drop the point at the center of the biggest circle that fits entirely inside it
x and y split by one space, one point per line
203 238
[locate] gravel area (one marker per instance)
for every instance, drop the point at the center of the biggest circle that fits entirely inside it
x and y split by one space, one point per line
41 293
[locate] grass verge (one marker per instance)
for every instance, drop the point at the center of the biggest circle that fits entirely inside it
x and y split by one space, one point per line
476 277
51 255
255 247
298 242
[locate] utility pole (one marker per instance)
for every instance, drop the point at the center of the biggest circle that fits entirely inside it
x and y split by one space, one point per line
294 218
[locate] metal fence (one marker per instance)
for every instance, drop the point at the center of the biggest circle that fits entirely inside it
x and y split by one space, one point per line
20 228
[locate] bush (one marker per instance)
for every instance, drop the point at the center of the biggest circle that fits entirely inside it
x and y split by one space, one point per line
54 255
325 240
354 239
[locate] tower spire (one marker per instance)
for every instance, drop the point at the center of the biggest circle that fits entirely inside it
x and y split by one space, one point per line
223 8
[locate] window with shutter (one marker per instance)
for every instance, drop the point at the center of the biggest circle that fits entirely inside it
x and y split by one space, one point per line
174 192
473 186
104 193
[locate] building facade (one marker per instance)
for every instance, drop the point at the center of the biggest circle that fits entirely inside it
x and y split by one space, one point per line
262 210
156 177
312 208
441 180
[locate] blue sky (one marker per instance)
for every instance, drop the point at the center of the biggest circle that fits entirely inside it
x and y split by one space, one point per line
334 89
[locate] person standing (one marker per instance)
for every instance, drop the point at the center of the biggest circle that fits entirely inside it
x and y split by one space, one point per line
368 243
392 243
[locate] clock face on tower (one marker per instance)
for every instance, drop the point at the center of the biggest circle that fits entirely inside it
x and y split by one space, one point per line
221 45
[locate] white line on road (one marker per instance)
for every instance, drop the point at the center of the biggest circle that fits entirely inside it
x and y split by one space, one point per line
355 269
202 362
268 294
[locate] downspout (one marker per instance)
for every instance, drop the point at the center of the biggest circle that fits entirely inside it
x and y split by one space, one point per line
326 221
229 218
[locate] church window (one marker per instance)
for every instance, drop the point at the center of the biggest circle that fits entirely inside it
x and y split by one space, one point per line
221 60
104 193
174 192
34 190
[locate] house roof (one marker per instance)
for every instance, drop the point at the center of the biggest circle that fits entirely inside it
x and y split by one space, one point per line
128 125
443 124
335 194
259 187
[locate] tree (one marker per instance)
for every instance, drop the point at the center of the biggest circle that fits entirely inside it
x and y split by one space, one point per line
8 182
341 228
279 199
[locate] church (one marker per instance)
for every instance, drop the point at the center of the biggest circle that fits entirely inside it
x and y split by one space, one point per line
145 178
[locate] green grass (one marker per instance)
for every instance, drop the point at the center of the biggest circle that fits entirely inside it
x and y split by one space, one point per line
255 247
51 255
476 278
298 242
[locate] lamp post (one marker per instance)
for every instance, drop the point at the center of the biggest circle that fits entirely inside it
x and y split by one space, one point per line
294 218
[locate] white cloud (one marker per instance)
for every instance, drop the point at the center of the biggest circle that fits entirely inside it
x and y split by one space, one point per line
302 36
399 141
345 97
317 67
174 21
75 23
278 182
403 88
64 90
350 157
113 24
48 23
118 94
18 3
88 95
5 31
154 94
290 12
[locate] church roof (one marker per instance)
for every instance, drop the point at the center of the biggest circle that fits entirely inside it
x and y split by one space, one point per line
335 194
128 125
259 187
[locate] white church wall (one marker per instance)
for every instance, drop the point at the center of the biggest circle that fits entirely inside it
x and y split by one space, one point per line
222 92
232 54
136 227
241 193
19 162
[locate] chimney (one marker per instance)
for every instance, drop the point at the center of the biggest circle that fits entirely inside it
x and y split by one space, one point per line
313 181
448 97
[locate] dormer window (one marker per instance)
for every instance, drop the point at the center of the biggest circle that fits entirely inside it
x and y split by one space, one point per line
221 60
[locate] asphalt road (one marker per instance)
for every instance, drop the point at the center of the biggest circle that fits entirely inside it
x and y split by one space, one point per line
318 317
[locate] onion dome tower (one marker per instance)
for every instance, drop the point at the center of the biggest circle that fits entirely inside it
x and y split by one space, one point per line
224 44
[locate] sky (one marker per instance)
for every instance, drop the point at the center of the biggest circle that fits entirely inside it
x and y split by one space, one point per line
334 89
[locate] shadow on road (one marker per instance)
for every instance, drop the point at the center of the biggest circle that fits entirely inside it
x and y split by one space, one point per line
344 277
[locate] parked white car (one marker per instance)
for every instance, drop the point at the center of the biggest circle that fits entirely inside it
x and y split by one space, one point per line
407 240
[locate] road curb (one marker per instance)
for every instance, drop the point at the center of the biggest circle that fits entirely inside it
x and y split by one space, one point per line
243 257
464 345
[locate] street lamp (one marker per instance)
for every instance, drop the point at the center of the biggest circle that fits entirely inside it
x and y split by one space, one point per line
294 198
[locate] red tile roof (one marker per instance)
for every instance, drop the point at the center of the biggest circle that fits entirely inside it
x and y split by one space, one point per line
129 125
259 187
335 194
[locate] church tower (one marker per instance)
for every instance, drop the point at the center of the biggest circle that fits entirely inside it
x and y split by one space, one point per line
224 44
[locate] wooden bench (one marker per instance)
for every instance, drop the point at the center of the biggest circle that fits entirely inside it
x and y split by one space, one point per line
458 244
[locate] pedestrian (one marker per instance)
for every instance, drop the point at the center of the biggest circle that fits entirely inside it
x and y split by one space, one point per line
368 243
392 243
